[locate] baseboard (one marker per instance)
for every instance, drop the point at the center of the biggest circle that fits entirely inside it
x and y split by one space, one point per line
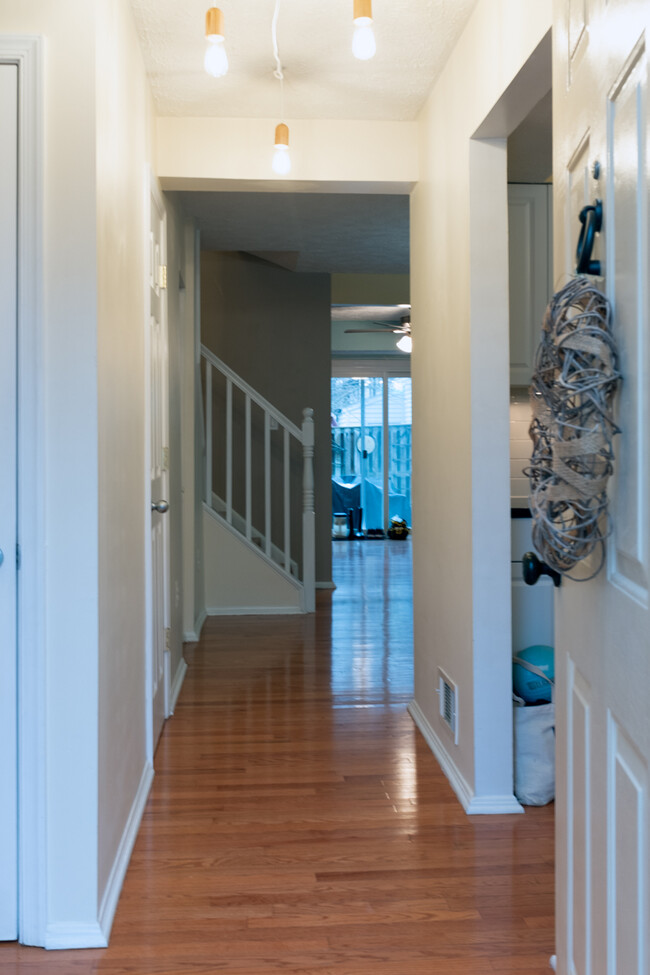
193 636
177 683
325 585
503 805
473 805
58 937
123 855
255 611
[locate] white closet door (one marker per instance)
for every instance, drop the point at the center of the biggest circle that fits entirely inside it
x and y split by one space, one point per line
8 740
600 137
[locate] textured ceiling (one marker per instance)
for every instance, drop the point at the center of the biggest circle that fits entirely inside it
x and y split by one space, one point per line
322 78
353 233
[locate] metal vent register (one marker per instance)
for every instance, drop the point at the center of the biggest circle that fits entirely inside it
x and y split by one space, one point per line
448 702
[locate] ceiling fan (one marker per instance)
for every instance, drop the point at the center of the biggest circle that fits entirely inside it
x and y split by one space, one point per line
401 328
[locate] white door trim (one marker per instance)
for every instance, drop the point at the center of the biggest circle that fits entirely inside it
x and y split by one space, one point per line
27 53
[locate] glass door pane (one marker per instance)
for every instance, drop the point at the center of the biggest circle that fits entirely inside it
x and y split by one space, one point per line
357 449
399 447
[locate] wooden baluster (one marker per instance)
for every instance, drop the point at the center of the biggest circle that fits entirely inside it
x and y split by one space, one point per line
308 517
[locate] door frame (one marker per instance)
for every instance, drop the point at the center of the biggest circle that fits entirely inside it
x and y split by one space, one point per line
27 53
490 434
152 189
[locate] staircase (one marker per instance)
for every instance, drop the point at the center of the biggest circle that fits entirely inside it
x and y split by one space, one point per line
259 476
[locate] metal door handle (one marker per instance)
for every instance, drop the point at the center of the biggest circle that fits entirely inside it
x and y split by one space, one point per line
160 506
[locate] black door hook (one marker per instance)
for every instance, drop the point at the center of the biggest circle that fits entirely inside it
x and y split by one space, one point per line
591 218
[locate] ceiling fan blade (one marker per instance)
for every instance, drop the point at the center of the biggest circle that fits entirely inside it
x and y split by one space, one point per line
374 331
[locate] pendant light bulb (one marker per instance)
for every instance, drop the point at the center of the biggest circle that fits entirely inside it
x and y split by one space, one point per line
363 40
281 159
216 59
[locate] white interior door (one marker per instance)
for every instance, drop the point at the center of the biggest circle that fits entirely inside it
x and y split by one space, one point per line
158 355
8 460
603 627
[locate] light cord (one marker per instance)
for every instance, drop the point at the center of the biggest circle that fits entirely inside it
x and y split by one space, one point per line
279 72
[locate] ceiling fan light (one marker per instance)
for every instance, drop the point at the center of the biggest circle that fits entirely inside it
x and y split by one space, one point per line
405 344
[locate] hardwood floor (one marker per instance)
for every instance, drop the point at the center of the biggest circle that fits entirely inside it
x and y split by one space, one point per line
298 822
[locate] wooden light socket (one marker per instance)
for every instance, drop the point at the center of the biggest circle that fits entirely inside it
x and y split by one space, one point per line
362 10
214 24
281 135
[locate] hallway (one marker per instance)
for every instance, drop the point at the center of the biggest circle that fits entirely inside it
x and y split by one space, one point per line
299 823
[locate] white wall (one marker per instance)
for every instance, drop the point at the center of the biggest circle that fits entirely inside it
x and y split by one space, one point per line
67 409
229 153
237 581
460 395
124 122
97 139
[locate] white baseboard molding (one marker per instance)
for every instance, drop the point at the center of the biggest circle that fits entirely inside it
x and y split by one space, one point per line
473 805
255 611
60 936
500 805
123 855
193 636
177 683
325 585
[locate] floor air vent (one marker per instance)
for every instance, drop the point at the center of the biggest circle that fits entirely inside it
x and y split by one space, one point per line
448 698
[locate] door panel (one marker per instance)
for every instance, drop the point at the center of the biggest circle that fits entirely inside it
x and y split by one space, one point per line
8 687
603 626
158 356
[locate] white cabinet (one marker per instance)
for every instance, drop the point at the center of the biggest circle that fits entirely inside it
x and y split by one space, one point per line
530 244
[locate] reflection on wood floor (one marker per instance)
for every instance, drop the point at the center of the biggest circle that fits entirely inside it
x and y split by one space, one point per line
298 822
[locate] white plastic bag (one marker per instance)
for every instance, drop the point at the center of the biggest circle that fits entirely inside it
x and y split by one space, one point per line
534 748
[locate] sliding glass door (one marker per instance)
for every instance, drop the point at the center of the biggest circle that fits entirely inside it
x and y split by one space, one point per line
371 445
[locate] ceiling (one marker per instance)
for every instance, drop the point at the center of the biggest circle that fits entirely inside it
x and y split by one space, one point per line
355 233
322 78
344 233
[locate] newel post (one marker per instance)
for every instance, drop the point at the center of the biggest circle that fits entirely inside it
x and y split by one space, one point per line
308 516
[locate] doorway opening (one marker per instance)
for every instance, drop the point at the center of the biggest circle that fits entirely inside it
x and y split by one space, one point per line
371 447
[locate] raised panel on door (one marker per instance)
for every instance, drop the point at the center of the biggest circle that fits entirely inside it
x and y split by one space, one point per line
8 633
627 263
578 799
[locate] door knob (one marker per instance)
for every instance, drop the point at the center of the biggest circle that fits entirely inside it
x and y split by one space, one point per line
533 568
160 506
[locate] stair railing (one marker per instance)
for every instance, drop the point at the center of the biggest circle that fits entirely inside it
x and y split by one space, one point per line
304 437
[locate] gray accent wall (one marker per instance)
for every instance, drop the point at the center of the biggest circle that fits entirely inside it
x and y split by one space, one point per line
272 327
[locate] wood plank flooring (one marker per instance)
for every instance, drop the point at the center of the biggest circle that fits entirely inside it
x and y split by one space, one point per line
299 824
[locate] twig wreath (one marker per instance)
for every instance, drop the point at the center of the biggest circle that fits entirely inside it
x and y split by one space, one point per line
572 397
